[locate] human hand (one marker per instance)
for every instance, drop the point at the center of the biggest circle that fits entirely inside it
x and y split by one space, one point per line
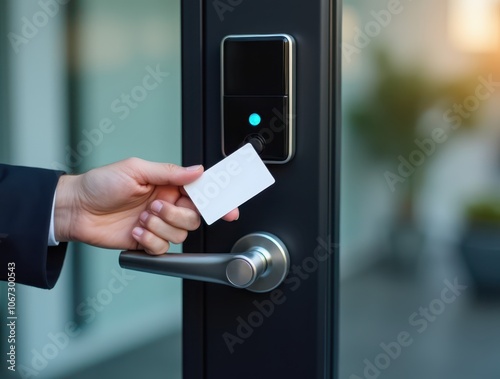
132 204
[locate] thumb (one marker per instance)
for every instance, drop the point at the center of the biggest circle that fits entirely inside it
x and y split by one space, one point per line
165 173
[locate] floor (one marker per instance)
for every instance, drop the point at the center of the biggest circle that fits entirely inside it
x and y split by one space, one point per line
459 339
158 360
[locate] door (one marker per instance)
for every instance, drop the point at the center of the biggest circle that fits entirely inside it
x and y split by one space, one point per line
284 328
289 332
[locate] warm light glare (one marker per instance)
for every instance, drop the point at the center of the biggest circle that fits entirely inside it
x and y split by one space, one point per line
474 25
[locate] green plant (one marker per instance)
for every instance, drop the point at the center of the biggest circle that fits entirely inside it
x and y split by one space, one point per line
386 118
484 211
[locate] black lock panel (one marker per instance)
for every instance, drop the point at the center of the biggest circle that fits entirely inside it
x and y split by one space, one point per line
257 94
256 68
272 128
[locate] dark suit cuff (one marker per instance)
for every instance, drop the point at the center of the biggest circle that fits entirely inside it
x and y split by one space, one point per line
26 196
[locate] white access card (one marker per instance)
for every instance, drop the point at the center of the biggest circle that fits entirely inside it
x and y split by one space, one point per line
230 183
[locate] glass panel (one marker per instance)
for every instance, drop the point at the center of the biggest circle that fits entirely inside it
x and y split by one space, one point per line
36 133
4 156
420 225
128 75
4 135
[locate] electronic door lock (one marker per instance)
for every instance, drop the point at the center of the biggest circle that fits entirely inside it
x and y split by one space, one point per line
258 95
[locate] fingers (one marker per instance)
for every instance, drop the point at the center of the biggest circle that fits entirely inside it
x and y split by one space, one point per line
177 216
151 243
234 215
146 172
164 223
162 229
186 202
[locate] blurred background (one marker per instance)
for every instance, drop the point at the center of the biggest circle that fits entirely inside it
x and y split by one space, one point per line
420 189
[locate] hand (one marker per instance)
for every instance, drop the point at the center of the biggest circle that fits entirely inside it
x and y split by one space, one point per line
133 204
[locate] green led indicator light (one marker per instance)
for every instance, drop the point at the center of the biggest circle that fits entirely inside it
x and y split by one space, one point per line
254 119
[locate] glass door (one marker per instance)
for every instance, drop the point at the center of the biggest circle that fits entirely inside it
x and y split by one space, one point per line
125 83
84 84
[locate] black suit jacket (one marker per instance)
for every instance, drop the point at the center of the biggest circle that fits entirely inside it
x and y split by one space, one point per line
26 196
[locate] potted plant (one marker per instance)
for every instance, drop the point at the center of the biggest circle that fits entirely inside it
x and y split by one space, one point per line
480 244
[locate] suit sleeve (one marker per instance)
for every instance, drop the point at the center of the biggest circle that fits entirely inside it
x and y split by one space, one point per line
26 196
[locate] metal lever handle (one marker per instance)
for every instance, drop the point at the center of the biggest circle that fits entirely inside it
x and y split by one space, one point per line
260 266
238 270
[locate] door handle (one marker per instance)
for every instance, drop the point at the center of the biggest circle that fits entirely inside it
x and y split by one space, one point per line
258 262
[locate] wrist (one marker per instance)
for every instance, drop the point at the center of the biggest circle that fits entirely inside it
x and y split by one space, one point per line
65 208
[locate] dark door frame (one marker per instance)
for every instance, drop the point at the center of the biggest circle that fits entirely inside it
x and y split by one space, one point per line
197 147
193 153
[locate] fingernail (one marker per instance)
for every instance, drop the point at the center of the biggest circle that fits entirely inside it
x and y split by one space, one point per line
193 168
144 216
138 232
156 206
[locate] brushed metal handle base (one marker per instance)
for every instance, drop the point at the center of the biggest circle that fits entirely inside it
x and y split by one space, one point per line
278 259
